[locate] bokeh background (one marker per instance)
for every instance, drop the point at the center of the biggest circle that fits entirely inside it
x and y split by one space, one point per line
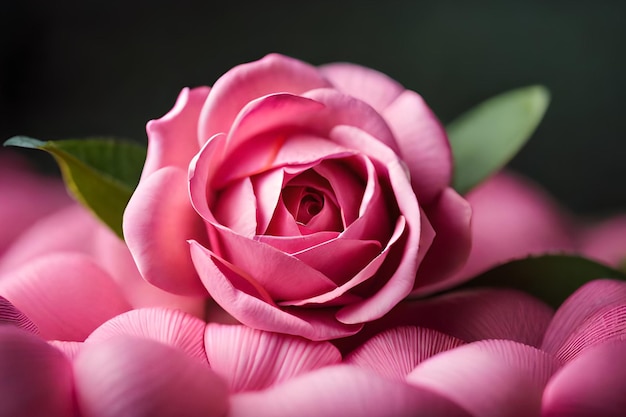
78 69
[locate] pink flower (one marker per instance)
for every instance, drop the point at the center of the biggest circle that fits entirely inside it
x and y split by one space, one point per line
503 353
63 269
512 218
304 200
605 241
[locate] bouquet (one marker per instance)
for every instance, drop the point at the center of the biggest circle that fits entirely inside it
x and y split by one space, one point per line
310 241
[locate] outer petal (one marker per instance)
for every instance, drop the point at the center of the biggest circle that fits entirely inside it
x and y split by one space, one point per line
252 360
35 379
244 83
394 353
170 327
593 384
126 376
423 144
469 315
157 223
595 313
172 139
69 229
450 217
339 391
484 383
18 188
249 306
9 314
65 295
373 87
605 241
511 219
113 254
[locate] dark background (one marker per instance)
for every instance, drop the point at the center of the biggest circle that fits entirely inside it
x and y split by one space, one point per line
78 69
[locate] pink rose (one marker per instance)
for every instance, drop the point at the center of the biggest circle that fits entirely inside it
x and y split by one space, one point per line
303 200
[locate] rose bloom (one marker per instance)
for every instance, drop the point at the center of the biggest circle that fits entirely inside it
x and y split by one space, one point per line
482 352
303 200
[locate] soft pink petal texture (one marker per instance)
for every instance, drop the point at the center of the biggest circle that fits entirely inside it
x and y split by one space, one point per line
450 216
69 348
344 110
172 139
35 378
9 314
251 308
401 279
282 276
605 241
156 229
423 144
469 315
251 360
236 208
127 376
373 87
483 382
395 352
511 219
341 391
19 187
69 229
65 295
244 83
113 255
595 313
171 327
593 384
74 229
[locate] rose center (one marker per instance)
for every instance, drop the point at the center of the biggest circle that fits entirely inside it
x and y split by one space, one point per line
311 203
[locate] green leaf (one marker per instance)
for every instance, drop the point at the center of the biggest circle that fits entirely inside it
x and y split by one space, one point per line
551 278
486 137
100 173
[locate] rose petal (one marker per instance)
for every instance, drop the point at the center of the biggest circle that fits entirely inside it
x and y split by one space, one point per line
172 139
9 314
339 391
112 253
450 216
605 241
236 208
65 295
344 110
484 383
253 311
127 376
511 219
423 144
18 185
395 352
156 230
373 87
252 360
36 379
69 229
256 261
69 348
273 74
590 385
469 315
594 313
171 327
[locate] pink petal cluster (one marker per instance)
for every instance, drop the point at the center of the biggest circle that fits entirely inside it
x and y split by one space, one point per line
303 200
472 353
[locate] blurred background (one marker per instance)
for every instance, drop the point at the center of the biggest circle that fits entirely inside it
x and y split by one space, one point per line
79 69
